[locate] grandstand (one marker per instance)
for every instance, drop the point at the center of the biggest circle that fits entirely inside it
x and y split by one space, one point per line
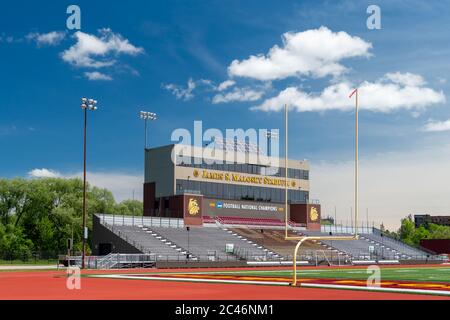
211 242
273 240
223 239
371 246
198 208
167 239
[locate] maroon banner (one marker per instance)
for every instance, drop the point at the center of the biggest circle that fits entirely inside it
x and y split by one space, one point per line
192 210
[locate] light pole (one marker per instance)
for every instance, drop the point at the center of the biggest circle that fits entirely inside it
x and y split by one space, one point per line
188 229
146 116
86 104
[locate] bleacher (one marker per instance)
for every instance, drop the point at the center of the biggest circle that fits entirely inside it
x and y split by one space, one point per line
274 240
393 245
169 240
150 243
252 238
209 243
383 249
358 249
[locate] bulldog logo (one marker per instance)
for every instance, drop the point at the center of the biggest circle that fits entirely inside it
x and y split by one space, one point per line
193 207
313 214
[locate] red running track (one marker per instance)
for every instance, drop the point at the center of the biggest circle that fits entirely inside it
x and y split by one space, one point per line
51 285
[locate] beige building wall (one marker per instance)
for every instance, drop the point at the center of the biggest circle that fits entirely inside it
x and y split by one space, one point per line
160 168
229 177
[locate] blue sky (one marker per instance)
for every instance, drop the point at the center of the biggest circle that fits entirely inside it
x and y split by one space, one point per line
174 41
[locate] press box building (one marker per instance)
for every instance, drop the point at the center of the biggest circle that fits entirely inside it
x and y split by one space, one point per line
226 182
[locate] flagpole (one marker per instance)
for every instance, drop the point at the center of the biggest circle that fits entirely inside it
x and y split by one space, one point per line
355 92
356 164
286 170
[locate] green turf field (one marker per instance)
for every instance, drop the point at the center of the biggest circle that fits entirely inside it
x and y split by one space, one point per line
421 274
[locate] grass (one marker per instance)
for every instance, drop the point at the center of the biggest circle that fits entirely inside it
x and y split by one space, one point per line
420 274
28 262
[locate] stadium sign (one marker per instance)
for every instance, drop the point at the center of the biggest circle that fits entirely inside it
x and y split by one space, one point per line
240 178
222 207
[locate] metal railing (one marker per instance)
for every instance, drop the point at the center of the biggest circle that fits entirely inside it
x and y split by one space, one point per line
124 220
312 257
345 229
113 260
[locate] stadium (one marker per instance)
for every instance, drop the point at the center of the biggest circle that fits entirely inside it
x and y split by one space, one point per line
225 217
199 209
218 231
224 226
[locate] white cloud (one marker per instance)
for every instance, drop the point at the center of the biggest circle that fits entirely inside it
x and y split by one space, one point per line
382 96
180 92
44 173
225 85
406 79
315 52
437 126
392 185
96 51
95 75
50 38
120 184
238 94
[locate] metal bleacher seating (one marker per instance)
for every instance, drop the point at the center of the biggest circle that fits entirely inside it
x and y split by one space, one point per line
361 248
394 245
358 249
275 241
148 242
209 243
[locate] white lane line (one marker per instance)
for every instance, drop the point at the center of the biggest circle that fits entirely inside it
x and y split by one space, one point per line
381 289
281 283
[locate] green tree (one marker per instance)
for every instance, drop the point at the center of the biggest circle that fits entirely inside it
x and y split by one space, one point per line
13 244
407 230
419 234
411 235
130 207
438 232
41 214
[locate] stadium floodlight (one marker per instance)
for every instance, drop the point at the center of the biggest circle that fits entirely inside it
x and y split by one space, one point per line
147 115
144 115
86 104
